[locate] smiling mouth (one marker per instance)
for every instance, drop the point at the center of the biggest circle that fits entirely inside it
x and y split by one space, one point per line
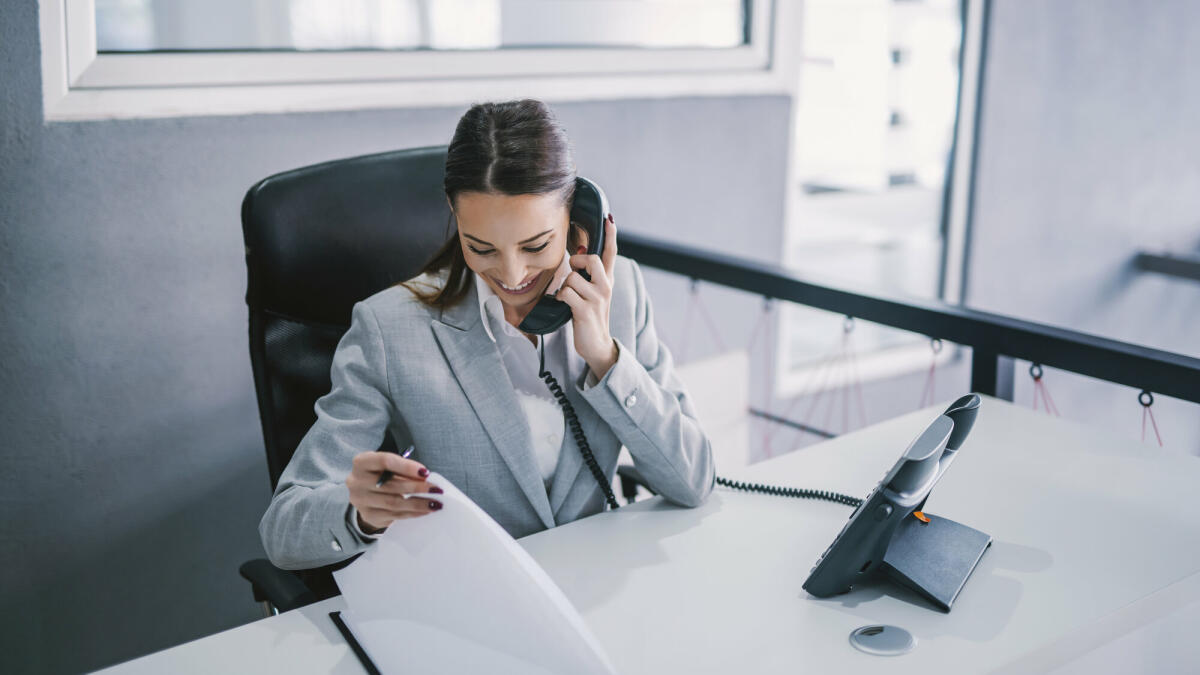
523 288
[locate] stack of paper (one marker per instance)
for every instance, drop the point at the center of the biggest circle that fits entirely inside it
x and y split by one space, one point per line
452 592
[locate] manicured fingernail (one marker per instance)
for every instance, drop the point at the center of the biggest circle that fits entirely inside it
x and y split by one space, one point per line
423 472
435 490
434 506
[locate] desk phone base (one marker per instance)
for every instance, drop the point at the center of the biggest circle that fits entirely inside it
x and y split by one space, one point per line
934 558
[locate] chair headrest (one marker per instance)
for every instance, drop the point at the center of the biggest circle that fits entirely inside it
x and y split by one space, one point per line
322 237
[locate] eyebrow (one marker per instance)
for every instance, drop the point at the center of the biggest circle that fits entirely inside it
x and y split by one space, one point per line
523 241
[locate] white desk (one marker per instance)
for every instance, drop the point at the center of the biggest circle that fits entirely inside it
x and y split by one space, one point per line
1096 556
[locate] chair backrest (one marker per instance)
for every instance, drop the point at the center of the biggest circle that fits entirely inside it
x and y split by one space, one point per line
319 239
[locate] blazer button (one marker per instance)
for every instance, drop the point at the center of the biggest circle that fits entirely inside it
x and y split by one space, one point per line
631 400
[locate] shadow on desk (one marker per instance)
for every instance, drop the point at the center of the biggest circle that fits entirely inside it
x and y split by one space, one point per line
988 587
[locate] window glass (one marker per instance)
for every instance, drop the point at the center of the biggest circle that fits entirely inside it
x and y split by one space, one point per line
876 111
246 25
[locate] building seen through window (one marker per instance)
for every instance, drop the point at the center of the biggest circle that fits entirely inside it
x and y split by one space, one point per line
876 109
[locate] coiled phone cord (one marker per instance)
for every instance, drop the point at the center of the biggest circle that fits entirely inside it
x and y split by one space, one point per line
798 493
606 487
576 429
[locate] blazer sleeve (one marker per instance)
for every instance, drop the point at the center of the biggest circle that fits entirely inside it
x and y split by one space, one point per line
647 407
307 523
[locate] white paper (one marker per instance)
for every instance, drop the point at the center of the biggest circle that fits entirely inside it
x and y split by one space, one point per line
453 592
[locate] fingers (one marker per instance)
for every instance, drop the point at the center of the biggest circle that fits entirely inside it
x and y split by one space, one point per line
605 261
599 288
400 486
395 503
378 462
394 500
396 486
379 513
400 466
585 289
380 504
594 267
610 245
380 516
571 296
560 276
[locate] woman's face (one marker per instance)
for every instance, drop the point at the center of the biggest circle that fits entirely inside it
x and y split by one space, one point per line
515 242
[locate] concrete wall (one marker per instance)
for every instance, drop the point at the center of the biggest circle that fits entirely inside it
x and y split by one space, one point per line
1089 147
133 471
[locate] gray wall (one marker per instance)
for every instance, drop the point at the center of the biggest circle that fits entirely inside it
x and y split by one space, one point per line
133 471
1089 147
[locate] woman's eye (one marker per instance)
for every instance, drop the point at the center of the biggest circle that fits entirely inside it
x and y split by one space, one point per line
528 249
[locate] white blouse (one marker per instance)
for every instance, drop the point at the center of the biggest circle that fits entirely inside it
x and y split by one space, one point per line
520 356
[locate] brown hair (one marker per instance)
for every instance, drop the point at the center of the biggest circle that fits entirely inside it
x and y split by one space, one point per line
510 148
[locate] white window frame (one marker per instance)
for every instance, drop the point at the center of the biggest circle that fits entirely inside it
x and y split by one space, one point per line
793 380
79 83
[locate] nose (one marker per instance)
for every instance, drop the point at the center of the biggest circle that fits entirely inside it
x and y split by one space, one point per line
512 272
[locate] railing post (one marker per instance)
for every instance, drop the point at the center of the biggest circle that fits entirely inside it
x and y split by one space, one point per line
992 374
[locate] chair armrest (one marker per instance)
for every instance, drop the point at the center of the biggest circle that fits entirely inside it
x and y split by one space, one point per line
631 479
281 588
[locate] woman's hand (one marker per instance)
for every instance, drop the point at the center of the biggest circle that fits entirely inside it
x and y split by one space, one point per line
589 302
379 506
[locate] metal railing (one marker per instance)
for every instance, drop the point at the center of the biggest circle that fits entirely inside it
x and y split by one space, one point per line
995 339
1181 266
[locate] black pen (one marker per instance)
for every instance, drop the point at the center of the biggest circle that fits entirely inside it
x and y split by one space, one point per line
387 475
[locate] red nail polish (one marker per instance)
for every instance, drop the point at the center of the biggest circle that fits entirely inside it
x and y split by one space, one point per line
436 490
423 472
580 250
434 506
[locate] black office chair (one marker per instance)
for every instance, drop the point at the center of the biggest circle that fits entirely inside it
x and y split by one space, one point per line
318 239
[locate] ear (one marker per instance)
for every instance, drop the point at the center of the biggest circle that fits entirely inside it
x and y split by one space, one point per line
577 236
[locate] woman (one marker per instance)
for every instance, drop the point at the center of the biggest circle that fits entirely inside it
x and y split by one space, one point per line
440 364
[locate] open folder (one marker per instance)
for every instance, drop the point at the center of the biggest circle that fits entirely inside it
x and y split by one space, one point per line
452 592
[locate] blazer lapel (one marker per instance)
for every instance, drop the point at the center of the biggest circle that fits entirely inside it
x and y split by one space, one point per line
477 365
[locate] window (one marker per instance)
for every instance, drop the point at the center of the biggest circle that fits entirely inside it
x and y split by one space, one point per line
139 58
306 25
881 117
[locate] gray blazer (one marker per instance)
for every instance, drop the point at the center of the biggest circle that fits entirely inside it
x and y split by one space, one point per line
434 379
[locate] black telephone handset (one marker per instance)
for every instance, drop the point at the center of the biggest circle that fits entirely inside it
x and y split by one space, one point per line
589 209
